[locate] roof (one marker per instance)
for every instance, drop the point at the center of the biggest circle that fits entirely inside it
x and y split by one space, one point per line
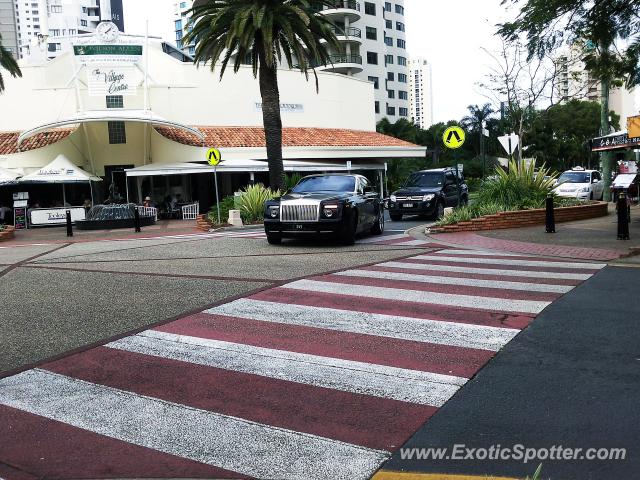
9 140
238 137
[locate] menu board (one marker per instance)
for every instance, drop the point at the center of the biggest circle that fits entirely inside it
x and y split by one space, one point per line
20 218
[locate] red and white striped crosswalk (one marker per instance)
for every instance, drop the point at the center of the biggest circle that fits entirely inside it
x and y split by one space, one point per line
318 378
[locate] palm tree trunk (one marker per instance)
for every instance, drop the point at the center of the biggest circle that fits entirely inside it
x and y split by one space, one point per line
272 123
606 157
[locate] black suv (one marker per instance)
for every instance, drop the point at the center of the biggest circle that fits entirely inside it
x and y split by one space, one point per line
428 193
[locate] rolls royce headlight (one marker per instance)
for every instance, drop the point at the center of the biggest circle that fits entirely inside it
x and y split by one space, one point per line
274 212
428 198
330 210
393 198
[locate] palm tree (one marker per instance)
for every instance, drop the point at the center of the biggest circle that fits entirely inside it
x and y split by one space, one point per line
477 118
266 34
8 63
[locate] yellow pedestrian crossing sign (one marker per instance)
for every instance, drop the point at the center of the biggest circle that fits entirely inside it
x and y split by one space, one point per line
453 137
214 157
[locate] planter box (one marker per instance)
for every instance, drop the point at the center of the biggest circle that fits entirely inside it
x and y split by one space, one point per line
7 234
525 218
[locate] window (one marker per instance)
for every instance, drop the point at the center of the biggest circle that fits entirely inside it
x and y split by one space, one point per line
388 41
369 8
183 4
375 81
83 23
55 32
391 93
404 112
402 61
56 8
391 76
402 95
178 24
387 6
372 33
399 9
372 58
402 43
391 111
400 26
388 59
178 34
115 101
389 24
117 133
402 78
72 31
377 107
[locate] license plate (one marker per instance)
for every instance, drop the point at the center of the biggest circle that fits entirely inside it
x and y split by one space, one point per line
407 205
299 226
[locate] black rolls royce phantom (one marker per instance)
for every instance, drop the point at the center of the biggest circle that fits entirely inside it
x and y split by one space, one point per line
337 204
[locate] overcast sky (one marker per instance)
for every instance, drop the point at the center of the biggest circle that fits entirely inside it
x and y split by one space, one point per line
449 34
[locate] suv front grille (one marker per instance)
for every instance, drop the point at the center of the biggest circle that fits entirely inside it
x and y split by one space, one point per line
300 213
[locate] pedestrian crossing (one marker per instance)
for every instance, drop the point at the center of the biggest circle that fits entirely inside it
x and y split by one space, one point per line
317 378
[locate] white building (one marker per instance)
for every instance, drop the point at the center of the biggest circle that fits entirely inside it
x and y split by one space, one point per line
8 27
575 82
141 119
421 92
373 48
56 22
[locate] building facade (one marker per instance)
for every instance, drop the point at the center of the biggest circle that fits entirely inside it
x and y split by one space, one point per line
51 24
8 27
421 92
574 81
373 48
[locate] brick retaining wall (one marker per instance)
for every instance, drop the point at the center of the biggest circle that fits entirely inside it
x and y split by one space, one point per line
203 223
7 233
525 218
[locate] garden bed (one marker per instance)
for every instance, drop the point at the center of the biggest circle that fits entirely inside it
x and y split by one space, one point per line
525 218
7 233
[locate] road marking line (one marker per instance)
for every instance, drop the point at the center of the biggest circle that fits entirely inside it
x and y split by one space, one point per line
477 252
384 238
377 380
416 296
235 444
520 263
391 326
388 475
487 271
527 287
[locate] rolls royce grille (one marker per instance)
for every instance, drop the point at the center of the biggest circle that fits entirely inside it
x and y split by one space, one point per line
300 213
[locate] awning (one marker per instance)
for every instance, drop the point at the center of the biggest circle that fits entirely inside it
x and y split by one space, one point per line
624 180
163 169
94 116
60 170
8 176
615 141
308 166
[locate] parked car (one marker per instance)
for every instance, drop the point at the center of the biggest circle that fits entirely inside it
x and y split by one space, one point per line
581 184
336 204
428 193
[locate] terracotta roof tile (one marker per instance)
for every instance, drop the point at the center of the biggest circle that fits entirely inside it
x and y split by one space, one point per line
9 140
235 137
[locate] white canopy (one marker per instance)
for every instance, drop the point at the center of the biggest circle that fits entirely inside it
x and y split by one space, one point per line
160 169
8 176
624 180
61 170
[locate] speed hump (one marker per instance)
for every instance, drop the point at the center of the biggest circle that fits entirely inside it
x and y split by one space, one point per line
453 137
214 157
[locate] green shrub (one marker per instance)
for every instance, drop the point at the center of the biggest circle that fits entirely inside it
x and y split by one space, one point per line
227 203
252 202
474 184
519 188
464 214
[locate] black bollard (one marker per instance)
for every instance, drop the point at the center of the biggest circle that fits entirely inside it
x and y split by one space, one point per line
69 226
136 220
623 217
551 216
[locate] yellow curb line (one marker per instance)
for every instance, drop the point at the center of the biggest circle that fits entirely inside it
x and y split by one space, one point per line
386 475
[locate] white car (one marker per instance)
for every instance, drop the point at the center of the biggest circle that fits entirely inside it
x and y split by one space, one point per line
580 184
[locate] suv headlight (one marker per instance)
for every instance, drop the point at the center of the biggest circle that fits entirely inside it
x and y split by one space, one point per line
428 198
393 198
274 211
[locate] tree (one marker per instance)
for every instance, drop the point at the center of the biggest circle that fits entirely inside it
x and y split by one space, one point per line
8 63
265 34
476 120
602 26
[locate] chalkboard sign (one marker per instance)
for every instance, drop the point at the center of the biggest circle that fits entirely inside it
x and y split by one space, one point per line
20 218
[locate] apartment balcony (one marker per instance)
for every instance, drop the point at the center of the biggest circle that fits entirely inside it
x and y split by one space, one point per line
348 35
345 64
341 9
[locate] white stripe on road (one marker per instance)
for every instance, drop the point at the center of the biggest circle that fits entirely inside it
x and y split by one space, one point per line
384 238
357 377
235 444
520 263
469 282
476 252
486 271
418 296
390 326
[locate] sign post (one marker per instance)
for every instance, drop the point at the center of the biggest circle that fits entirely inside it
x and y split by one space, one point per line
214 157
454 138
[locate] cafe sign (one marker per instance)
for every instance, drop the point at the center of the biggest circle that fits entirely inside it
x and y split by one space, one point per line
119 53
614 142
112 80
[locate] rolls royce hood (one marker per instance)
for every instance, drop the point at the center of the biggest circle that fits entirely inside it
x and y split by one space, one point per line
315 196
